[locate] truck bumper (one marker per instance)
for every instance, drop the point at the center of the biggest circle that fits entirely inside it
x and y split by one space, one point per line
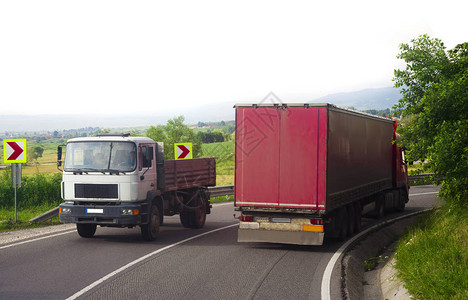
282 237
100 215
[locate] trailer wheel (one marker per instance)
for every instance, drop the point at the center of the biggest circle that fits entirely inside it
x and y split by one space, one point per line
342 228
379 211
86 230
358 216
150 230
351 219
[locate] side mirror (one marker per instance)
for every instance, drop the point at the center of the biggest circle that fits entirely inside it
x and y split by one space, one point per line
59 153
59 157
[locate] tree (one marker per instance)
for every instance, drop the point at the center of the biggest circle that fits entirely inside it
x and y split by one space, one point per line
175 131
37 152
435 105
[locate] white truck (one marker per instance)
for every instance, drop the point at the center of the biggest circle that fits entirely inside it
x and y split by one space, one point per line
124 181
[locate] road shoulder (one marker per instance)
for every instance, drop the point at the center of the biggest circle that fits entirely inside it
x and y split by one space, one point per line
377 250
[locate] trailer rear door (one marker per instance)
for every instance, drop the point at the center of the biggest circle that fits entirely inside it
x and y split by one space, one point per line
257 156
281 156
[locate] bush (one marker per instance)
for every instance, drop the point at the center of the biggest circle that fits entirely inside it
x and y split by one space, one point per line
35 190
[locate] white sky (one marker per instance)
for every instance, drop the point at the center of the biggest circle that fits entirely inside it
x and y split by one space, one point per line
63 57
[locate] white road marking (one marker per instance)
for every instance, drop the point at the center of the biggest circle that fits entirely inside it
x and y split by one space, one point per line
120 270
37 239
223 204
325 289
428 193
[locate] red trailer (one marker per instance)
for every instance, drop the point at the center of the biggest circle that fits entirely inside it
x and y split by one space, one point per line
306 170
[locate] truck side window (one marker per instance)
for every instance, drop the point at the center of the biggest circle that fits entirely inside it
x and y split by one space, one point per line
146 156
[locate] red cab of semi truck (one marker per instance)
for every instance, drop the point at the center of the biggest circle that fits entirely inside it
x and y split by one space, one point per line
303 171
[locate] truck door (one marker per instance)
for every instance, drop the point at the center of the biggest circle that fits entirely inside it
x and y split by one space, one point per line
146 170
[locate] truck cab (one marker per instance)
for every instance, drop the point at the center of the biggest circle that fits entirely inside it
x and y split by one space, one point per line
109 168
124 181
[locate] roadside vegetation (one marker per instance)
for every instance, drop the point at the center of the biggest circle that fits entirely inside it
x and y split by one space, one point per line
40 190
432 259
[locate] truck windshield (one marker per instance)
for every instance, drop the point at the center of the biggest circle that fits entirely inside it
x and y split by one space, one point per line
100 157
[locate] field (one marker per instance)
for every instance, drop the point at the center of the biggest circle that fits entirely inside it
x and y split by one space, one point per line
45 164
224 153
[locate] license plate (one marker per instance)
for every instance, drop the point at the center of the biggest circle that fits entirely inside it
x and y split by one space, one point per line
281 220
94 211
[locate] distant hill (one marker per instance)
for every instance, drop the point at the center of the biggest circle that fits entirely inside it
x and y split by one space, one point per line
377 99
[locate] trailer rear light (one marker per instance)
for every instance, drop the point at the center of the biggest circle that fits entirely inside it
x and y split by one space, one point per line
246 218
312 228
316 221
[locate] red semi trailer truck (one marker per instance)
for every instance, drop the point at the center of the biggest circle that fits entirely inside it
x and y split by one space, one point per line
304 171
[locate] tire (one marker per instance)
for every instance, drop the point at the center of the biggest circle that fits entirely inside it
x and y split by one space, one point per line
185 219
358 217
150 231
351 219
379 211
194 212
380 208
198 217
342 224
161 218
86 230
402 197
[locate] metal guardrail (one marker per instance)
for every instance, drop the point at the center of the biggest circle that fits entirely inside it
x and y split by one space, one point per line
222 190
215 191
420 177
46 216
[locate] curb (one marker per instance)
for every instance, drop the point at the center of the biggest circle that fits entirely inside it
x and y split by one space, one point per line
358 284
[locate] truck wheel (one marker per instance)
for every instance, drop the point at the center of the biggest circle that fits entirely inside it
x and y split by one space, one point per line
351 219
199 215
150 231
194 213
185 219
86 230
402 197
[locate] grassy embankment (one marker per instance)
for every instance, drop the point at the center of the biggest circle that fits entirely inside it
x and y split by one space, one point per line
432 259
224 153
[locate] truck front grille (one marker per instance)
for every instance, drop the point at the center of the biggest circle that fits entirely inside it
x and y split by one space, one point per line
103 191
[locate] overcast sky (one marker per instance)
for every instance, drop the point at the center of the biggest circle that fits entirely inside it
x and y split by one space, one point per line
79 57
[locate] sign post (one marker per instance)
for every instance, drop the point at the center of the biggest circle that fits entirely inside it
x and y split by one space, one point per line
14 152
16 178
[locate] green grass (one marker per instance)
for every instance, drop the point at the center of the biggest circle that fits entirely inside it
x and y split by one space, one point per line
432 259
224 153
7 218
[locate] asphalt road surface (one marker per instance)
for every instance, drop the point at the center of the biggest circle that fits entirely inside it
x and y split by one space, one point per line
182 263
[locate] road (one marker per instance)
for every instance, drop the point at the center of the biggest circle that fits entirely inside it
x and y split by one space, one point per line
117 264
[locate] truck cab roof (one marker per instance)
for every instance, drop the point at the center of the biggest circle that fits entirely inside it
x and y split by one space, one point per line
112 138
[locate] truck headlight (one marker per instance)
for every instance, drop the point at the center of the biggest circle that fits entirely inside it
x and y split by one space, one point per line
129 212
64 210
